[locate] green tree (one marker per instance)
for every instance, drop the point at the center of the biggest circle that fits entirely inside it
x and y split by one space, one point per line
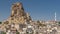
3 32
59 23
17 32
0 22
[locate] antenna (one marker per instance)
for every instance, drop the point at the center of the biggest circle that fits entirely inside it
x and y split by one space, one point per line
55 16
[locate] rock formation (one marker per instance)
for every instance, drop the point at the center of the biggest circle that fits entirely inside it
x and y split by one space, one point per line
18 14
20 21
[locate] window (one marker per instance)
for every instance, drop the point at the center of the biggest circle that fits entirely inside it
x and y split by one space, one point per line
15 11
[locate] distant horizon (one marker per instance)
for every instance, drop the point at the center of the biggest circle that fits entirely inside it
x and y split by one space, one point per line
38 9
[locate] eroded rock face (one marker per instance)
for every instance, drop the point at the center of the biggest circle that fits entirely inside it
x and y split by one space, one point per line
18 18
18 14
17 9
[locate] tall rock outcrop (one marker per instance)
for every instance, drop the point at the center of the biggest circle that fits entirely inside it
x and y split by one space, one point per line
18 14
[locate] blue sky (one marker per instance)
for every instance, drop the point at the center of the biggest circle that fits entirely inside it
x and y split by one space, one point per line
38 9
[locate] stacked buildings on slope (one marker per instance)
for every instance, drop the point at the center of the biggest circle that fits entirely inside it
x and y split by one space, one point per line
20 22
